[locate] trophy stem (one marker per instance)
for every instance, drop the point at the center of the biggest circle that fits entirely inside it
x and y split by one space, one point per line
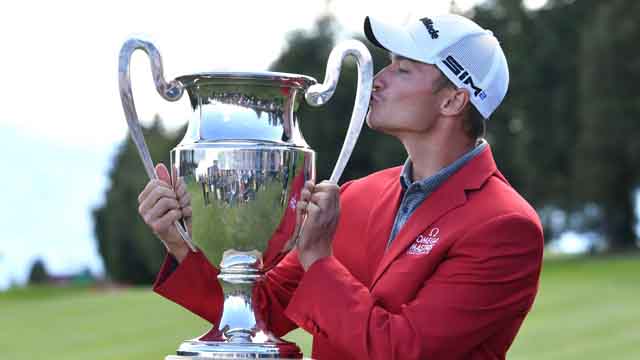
238 322
241 333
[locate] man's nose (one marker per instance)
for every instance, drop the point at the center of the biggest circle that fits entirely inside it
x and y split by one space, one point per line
378 80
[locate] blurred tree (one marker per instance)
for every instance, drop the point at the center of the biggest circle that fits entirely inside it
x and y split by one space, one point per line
131 253
534 132
38 273
609 145
565 135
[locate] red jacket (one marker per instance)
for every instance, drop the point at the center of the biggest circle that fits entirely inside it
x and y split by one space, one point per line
456 283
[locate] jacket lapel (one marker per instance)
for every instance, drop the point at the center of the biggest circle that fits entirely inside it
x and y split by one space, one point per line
380 223
451 194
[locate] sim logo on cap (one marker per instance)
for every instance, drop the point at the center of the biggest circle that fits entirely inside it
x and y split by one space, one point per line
465 77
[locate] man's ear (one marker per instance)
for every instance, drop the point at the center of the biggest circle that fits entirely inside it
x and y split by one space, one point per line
454 102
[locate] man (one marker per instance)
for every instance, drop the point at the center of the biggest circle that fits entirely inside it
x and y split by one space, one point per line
436 259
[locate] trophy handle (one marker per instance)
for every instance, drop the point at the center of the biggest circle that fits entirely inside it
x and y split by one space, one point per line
171 91
319 94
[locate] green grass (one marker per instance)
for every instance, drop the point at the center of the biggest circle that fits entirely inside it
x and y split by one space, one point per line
586 309
84 323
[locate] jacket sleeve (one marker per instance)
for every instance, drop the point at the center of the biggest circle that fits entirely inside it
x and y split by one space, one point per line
488 280
272 296
194 285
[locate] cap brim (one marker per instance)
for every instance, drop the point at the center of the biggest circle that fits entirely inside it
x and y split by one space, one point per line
392 38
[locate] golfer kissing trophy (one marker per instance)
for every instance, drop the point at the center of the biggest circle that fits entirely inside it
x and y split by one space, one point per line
244 161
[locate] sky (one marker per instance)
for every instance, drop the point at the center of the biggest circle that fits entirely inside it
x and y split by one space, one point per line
61 120
71 48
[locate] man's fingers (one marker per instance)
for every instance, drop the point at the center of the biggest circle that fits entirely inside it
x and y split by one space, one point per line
185 200
163 173
163 206
326 186
314 215
320 196
313 210
305 193
164 223
174 173
181 188
157 193
323 203
151 186
158 209
186 211
301 206
325 196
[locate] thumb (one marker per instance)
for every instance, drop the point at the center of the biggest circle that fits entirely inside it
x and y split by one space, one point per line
163 173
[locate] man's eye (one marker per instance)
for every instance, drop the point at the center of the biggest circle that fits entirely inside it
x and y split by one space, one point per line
403 70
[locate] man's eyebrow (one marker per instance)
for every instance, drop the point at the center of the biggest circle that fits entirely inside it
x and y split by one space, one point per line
395 57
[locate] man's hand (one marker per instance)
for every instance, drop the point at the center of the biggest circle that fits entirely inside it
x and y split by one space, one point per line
322 205
160 205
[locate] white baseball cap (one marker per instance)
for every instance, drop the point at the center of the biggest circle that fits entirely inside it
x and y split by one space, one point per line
468 55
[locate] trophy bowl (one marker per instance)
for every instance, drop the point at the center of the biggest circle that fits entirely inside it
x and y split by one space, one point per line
244 162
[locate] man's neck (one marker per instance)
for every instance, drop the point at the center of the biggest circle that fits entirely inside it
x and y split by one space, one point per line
430 153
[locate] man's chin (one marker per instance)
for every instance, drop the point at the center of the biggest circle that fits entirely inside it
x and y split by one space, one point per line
381 129
368 121
374 124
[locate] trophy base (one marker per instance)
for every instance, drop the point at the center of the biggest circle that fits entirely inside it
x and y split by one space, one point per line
197 349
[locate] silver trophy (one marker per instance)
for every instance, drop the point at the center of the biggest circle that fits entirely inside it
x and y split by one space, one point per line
244 162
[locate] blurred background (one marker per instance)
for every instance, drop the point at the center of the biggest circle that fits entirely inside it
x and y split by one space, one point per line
76 261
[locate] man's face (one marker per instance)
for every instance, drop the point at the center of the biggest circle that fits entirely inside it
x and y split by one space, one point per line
405 98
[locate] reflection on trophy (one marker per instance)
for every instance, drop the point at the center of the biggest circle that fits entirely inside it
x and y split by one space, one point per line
244 162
